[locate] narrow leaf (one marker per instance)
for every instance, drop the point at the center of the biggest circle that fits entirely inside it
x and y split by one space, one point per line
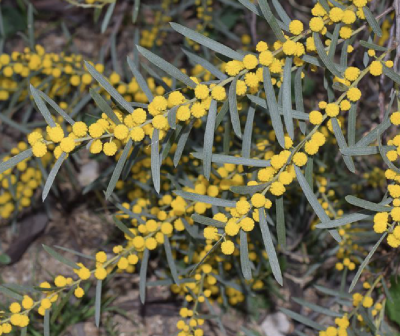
207 42
273 107
171 260
342 144
269 247
42 107
280 222
182 142
287 96
233 109
358 202
59 257
205 199
324 57
140 80
167 67
365 262
302 319
118 169
123 227
13 161
371 21
244 256
221 158
46 323
52 175
273 23
57 108
97 304
104 107
155 160
247 134
205 64
209 139
143 275
207 221
104 83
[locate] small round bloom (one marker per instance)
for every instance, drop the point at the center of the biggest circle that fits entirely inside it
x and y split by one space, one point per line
60 281
183 113
227 247
354 94
96 130
121 131
159 122
151 243
266 57
336 14
345 32
316 24
332 110
242 207
250 62
299 159
315 117
277 189
395 118
258 200
201 91
218 93
296 27
211 232
15 307
101 257
96 147
376 68
247 224
139 116
67 145
349 17
352 73
39 149
231 228
80 129
34 137
289 47
251 79
100 273
137 134
56 134
110 148
261 46
27 302
79 292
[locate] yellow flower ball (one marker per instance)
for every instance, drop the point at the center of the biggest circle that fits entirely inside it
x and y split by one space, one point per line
110 148
218 93
67 145
332 110
39 149
80 129
227 247
250 62
296 27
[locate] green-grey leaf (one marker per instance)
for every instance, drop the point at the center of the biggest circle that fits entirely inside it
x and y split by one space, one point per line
280 223
365 262
205 199
171 260
52 175
123 227
317 308
273 107
13 161
42 107
324 57
207 42
287 96
104 107
59 257
209 139
140 80
391 74
248 131
107 17
155 160
302 319
312 199
118 169
46 323
167 67
222 158
10 293
244 256
97 304
269 16
57 108
233 109
269 247
358 202
348 160
370 45
104 83
207 221
371 21
143 275
205 64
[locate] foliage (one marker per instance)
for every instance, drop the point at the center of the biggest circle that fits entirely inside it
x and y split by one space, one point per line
224 171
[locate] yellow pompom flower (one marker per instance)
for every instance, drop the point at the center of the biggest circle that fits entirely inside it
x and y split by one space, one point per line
96 130
247 224
315 117
101 257
218 93
121 131
332 110
353 94
79 129
110 148
56 134
39 149
250 62
79 292
336 14
34 137
296 27
227 247
277 189
300 159
289 47
316 24
395 118
100 273
67 145
376 68
201 91
258 200
351 73
266 57
231 228
211 233
159 122
242 207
